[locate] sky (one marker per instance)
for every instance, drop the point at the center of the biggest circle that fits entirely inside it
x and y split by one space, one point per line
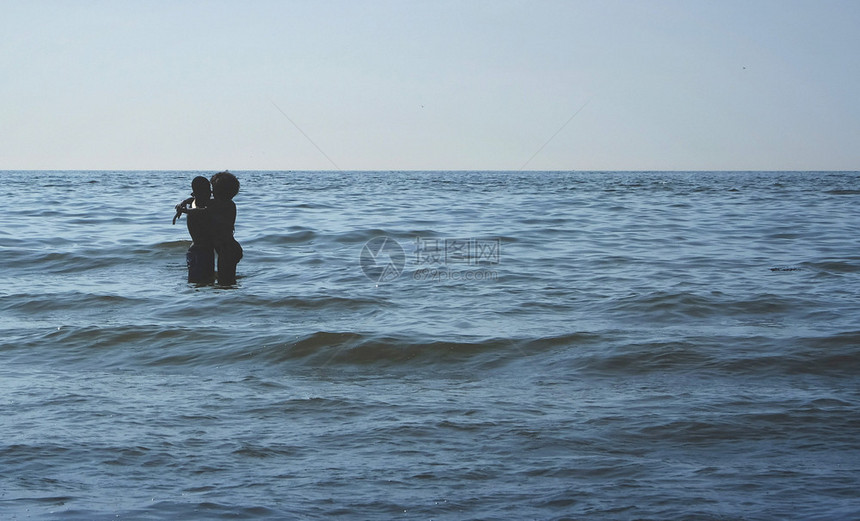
430 85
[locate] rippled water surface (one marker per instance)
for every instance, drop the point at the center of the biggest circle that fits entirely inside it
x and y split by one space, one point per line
608 346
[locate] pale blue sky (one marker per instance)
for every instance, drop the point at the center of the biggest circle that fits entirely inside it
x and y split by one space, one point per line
408 85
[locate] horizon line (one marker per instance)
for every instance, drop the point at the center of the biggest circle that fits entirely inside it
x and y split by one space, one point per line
428 170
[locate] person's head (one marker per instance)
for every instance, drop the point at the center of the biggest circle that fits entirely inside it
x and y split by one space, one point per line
200 189
224 185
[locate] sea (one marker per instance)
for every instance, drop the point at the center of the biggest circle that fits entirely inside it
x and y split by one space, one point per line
434 346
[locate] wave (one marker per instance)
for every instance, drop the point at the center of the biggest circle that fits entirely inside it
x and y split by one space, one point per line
851 265
25 304
55 262
684 305
68 257
361 236
294 237
592 354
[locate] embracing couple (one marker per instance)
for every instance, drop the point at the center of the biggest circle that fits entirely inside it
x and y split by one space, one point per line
211 219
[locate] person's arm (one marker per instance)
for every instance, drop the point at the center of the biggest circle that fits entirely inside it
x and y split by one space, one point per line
197 209
179 207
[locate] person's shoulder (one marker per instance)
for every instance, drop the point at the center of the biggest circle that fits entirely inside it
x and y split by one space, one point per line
225 204
198 203
223 207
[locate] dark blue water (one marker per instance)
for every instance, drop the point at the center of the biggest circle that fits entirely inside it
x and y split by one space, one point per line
526 346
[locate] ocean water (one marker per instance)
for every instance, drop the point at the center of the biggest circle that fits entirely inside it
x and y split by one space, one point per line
434 345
